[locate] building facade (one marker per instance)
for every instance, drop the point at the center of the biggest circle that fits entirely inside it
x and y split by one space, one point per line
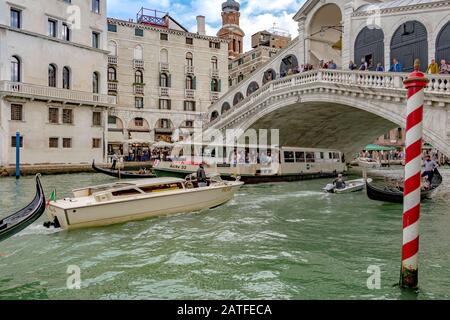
231 31
53 69
266 45
164 78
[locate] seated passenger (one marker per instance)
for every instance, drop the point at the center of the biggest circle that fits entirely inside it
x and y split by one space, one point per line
339 182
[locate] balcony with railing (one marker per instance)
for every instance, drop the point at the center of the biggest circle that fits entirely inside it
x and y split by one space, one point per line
189 94
164 67
189 70
138 64
164 92
112 60
112 86
215 73
138 88
36 92
215 96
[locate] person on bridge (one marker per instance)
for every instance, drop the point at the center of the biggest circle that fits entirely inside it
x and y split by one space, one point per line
364 65
339 182
443 69
380 67
332 65
396 66
352 66
433 67
430 165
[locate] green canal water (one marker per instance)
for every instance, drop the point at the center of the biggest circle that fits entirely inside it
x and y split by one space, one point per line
273 241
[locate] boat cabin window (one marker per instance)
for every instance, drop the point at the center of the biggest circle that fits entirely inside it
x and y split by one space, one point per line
289 157
162 187
310 157
126 192
299 156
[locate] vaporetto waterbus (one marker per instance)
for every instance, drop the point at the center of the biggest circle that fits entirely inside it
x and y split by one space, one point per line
254 164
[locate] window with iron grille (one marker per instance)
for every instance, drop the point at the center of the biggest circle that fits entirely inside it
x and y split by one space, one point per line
96 142
13 141
214 45
112 27
164 36
96 118
139 32
67 143
53 143
53 115
189 124
139 122
16 112
67 116
189 41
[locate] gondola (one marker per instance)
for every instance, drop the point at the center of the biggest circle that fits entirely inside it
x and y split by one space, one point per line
122 174
15 223
395 195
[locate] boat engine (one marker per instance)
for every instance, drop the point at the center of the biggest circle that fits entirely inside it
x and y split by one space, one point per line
55 224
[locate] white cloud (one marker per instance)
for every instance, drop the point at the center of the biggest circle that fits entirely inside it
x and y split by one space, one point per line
256 15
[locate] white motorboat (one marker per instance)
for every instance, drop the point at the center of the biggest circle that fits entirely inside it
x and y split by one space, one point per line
135 200
350 186
368 163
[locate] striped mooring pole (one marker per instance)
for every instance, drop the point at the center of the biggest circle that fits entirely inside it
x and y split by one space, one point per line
416 84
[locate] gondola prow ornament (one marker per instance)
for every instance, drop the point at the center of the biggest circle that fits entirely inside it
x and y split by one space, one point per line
416 84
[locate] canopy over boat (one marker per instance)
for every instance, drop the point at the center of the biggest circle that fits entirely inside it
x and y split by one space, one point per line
375 147
18 221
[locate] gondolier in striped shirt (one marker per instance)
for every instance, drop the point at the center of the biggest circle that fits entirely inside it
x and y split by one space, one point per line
430 165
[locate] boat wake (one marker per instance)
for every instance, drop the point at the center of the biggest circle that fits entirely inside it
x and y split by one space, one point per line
36 229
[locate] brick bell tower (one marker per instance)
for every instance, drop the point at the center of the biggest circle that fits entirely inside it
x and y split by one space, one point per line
230 29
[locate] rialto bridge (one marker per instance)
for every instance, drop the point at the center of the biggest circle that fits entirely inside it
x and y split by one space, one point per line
346 109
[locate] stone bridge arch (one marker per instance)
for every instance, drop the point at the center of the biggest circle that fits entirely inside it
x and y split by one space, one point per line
336 121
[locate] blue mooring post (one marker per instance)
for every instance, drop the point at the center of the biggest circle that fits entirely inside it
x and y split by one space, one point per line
17 155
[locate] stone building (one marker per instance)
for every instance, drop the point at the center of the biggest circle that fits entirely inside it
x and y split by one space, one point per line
53 90
164 78
231 31
266 45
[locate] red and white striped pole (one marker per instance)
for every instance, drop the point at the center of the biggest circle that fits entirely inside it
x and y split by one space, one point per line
416 84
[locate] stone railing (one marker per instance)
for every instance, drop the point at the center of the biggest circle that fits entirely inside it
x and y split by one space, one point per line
189 94
164 91
358 79
33 91
112 60
138 64
189 69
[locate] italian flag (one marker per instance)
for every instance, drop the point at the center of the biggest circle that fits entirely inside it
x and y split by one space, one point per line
52 197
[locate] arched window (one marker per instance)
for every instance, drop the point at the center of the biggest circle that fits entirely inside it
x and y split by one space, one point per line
112 74
52 75
138 53
138 77
66 78
164 80
164 56
95 82
189 83
15 69
214 115
112 48
214 64
189 59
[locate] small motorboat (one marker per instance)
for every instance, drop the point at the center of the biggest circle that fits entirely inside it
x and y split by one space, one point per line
18 221
368 163
395 194
136 200
350 186
122 174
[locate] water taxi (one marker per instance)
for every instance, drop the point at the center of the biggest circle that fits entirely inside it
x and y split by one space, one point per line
350 186
254 164
135 200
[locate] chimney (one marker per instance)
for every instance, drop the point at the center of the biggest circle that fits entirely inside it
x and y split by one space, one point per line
201 30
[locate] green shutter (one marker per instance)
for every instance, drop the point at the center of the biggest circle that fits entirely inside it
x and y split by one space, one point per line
169 104
212 85
169 80
220 85
194 83
160 79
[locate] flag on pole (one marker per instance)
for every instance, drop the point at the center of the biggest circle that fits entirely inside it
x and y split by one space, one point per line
51 198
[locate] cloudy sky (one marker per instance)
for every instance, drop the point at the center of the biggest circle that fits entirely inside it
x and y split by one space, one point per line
256 15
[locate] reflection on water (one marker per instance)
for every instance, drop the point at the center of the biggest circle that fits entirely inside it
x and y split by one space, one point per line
283 241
